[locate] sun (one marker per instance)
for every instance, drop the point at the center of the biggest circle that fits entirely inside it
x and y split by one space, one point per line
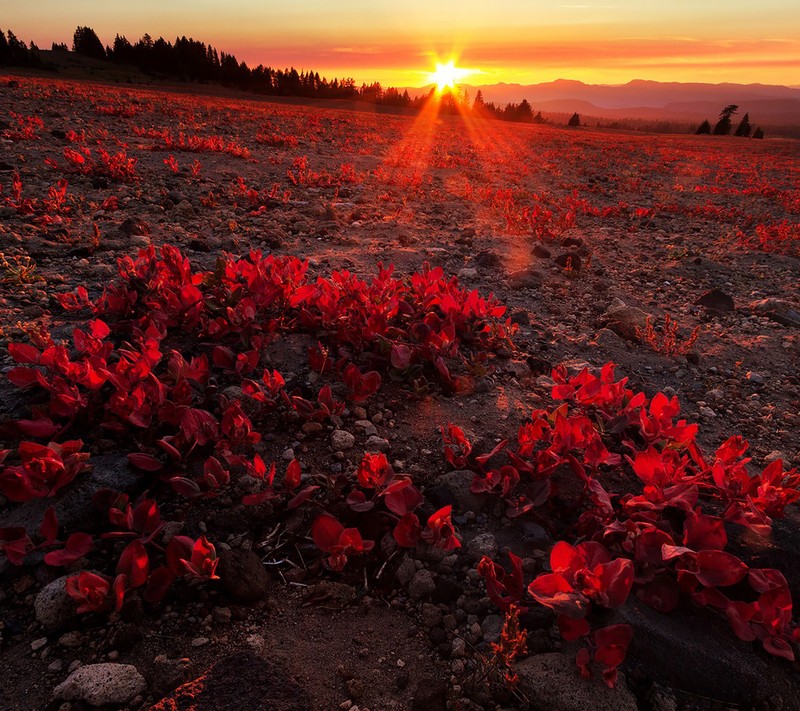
446 75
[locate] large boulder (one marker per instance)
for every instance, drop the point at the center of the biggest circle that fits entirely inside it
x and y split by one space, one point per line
102 684
552 682
242 576
242 681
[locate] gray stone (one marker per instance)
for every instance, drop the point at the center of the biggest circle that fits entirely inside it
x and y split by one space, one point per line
405 571
377 444
491 627
102 684
431 615
624 320
484 544
552 681
421 585
242 576
342 440
458 485
53 607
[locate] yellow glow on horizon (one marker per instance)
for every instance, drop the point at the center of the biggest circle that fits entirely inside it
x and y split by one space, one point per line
447 75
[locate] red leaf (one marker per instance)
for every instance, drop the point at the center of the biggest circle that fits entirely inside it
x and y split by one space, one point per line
293 472
145 462
179 548
553 591
77 546
184 486
49 528
358 501
718 569
407 531
572 628
134 564
158 585
300 498
702 532
23 353
326 531
37 428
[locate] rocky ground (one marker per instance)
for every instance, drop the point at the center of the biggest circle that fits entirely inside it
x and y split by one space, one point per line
673 229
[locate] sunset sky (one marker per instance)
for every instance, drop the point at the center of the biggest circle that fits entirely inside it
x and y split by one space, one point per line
396 42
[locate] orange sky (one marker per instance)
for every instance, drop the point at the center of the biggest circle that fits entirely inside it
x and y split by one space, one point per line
526 41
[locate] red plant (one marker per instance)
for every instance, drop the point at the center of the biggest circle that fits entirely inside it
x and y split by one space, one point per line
337 541
582 575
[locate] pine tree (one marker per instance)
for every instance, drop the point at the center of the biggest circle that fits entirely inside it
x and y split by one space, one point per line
704 128
723 126
744 128
86 42
574 120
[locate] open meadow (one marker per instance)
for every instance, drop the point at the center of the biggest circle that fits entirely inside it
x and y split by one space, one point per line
366 407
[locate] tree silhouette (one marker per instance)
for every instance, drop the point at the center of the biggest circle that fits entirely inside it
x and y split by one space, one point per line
14 52
744 128
86 42
574 120
723 126
758 133
704 128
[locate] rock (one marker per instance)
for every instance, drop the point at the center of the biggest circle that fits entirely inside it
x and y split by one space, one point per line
525 279
102 684
488 260
552 681
606 338
405 571
569 260
491 627
242 576
430 695
698 653
369 429
200 641
37 644
624 320
342 440
458 648
421 585
377 444
662 700
74 507
133 226
431 616
71 639
53 607
468 273
716 301
521 317
185 209
455 486
242 681
539 250
778 310
484 544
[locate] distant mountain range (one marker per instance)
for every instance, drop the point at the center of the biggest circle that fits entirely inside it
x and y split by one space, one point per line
651 100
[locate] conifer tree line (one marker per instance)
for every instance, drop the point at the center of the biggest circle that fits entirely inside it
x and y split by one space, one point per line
724 125
15 53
